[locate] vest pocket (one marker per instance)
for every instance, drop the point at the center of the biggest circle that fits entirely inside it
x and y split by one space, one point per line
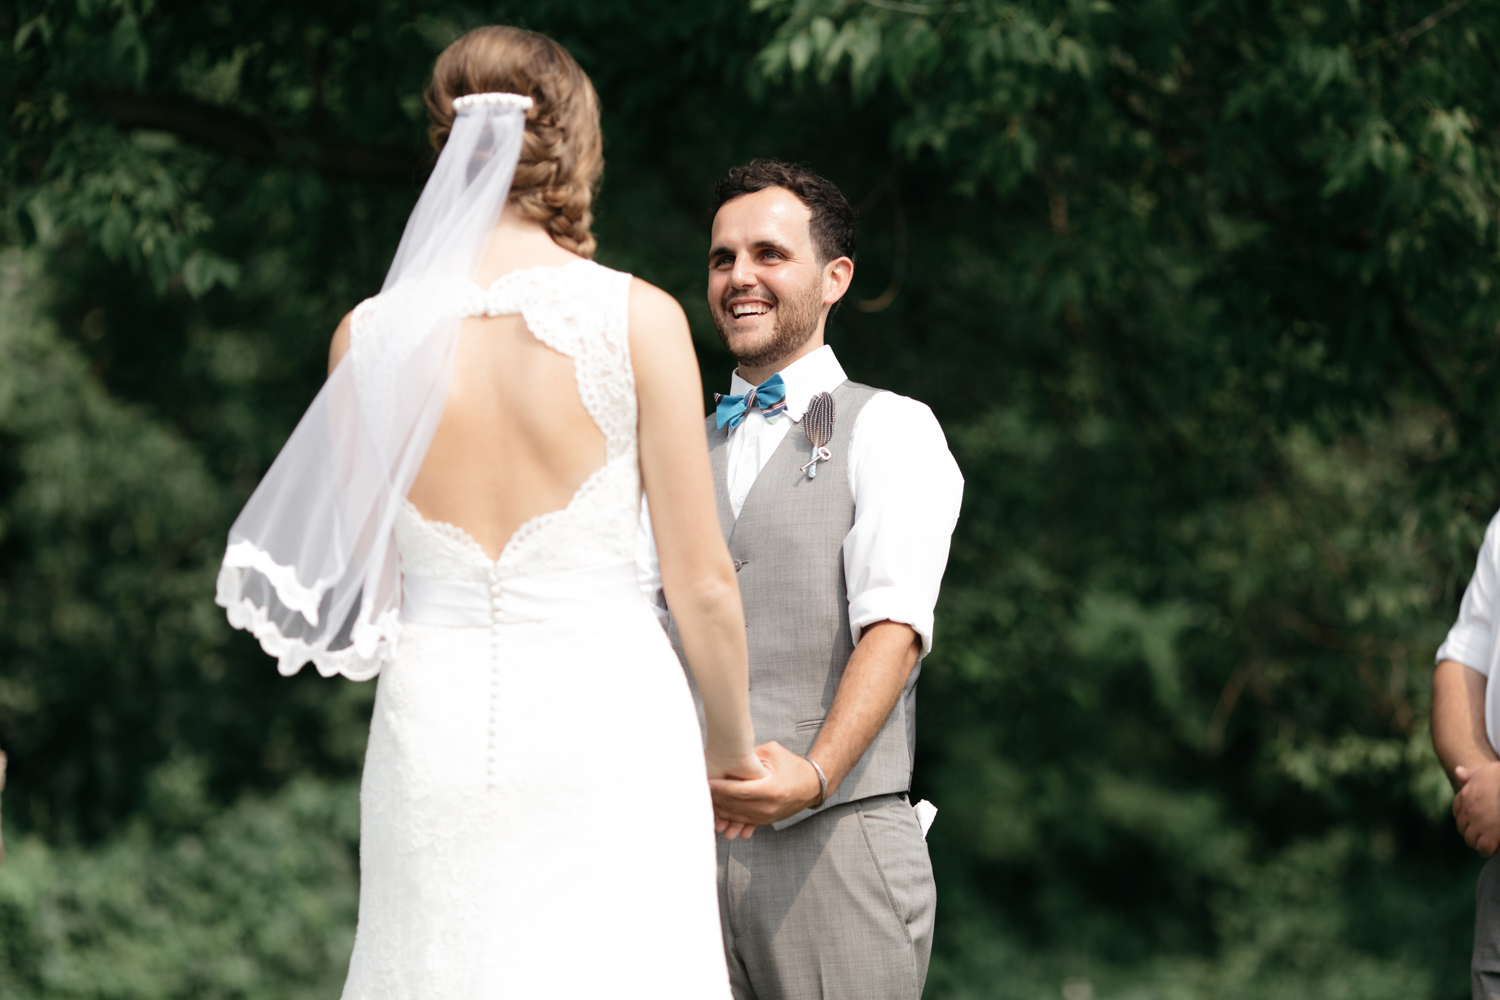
810 724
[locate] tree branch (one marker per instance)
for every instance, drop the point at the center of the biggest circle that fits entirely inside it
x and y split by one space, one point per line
256 140
1404 39
1431 21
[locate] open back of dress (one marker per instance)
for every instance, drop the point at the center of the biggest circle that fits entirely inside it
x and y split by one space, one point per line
515 440
534 466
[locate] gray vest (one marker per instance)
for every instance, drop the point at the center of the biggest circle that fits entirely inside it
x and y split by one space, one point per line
787 547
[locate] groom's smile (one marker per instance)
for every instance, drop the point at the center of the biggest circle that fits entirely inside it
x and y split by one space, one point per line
747 309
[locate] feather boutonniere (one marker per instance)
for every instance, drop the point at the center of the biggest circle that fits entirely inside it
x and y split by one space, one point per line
817 424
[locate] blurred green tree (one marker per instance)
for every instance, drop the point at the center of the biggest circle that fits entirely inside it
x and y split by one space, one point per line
1204 292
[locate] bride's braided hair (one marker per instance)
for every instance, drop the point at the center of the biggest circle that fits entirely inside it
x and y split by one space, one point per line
562 153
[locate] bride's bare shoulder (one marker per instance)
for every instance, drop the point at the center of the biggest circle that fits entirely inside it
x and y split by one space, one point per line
654 313
340 344
661 345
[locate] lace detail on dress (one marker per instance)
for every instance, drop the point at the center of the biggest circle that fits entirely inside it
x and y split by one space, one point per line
580 310
437 550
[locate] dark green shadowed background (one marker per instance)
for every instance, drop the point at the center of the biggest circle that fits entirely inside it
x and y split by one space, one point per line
1205 294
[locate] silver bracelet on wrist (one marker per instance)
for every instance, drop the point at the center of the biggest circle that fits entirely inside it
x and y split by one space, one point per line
822 782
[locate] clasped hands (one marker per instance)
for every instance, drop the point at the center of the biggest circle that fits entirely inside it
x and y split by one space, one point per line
786 785
1476 806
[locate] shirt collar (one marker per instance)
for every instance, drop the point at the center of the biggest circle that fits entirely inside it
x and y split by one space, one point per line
809 375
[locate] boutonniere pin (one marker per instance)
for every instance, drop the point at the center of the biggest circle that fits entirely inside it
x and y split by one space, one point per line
817 424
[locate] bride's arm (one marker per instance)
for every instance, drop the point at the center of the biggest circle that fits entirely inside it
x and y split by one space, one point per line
340 343
696 573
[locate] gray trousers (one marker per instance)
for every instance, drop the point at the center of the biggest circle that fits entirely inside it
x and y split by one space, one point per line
1484 970
838 906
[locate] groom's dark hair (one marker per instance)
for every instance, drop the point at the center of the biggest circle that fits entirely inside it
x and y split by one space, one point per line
832 221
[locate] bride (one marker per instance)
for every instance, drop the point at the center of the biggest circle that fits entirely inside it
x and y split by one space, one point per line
457 513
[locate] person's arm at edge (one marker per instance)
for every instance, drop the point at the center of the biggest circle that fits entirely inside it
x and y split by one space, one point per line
1459 688
1458 733
1459 737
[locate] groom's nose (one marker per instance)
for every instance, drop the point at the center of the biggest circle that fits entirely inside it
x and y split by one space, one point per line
743 274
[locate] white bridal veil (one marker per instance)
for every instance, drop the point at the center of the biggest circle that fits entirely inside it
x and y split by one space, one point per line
311 567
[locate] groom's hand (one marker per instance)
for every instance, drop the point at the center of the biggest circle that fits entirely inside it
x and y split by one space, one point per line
791 787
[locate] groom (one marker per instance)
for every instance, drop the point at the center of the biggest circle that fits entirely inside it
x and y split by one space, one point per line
839 564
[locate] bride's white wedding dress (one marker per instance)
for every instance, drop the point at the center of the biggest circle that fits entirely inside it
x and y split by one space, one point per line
535 822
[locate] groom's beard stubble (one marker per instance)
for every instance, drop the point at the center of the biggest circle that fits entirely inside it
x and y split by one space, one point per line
796 321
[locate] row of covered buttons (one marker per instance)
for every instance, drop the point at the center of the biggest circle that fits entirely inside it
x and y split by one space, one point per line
492 763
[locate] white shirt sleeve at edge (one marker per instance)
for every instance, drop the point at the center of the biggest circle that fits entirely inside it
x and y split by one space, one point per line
907 493
1471 640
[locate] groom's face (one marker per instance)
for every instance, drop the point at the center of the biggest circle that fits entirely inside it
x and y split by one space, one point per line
765 281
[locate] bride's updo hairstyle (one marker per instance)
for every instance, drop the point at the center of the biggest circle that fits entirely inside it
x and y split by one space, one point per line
562 154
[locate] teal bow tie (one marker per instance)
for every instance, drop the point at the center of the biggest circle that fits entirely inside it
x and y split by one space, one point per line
770 396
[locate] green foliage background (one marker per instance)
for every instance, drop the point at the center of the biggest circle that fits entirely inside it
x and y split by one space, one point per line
1204 292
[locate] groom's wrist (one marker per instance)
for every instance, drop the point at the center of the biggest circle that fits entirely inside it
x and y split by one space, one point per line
822 779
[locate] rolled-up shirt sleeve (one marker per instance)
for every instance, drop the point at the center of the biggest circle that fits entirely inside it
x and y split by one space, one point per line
1471 640
907 492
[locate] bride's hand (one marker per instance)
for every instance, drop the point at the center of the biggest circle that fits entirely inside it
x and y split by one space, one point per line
742 767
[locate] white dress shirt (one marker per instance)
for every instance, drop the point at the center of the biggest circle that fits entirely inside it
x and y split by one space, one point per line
907 491
1471 640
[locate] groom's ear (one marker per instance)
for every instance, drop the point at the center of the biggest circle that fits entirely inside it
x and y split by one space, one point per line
838 274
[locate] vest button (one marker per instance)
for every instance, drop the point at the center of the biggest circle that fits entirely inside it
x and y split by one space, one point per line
737 564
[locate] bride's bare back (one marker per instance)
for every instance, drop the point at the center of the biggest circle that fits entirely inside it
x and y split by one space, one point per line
515 440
